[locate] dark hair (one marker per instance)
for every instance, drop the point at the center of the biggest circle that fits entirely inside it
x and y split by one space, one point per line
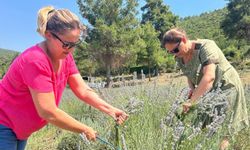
173 36
170 39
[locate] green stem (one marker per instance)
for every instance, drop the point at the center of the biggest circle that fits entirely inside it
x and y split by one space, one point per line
117 137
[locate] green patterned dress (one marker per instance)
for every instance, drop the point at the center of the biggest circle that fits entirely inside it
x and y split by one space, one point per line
208 52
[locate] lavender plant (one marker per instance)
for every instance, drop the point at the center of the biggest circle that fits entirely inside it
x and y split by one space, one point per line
148 126
134 106
207 116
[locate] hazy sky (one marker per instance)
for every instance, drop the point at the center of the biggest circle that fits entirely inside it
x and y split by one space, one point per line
18 18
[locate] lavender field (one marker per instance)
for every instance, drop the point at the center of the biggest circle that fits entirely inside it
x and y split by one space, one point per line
152 124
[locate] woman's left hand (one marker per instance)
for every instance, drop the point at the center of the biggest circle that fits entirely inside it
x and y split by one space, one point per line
119 116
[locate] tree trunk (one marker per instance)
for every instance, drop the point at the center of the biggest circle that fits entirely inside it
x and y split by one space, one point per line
108 75
239 44
149 73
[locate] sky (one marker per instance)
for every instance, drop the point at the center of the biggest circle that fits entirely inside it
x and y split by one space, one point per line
18 17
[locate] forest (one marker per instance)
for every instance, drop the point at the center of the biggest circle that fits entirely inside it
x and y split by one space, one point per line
120 40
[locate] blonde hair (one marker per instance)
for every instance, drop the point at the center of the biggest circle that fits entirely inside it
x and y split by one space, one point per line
173 35
57 21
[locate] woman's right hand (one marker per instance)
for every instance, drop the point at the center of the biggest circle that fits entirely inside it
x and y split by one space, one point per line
90 133
186 106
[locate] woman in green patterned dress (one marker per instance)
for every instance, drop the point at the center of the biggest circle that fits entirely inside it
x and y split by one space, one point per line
204 64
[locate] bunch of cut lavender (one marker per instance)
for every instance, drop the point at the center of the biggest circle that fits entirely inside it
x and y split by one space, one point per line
212 108
210 113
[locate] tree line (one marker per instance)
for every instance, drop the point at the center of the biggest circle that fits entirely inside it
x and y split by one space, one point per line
117 40
120 40
6 58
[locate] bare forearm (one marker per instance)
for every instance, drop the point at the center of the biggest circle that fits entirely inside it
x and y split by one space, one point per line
91 98
190 84
86 94
204 86
62 120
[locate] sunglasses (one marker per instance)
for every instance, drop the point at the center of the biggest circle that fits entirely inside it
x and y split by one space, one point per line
176 49
67 45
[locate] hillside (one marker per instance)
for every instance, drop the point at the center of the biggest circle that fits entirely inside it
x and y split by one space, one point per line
6 57
7 52
208 26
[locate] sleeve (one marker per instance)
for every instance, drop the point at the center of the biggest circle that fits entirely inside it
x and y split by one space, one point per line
72 66
209 53
38 76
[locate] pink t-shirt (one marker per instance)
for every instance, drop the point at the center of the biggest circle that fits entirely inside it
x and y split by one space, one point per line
32 68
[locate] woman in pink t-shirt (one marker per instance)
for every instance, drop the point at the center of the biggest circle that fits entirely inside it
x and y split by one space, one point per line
32 87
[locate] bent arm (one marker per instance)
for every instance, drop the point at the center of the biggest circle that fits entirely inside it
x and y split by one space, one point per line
206 82
191 87
86 94
190 84
47 109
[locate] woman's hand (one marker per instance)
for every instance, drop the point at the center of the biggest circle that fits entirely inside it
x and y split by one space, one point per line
189 105
119 115
90 133
186 106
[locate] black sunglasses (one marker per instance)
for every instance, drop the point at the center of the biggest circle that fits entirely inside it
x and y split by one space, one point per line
176 49
67 45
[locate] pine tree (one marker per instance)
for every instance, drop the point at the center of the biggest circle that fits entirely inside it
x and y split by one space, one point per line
113 36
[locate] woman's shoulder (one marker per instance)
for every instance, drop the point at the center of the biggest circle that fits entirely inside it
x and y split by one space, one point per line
206 42
34 54
33 57
209 51
69 59
208 46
